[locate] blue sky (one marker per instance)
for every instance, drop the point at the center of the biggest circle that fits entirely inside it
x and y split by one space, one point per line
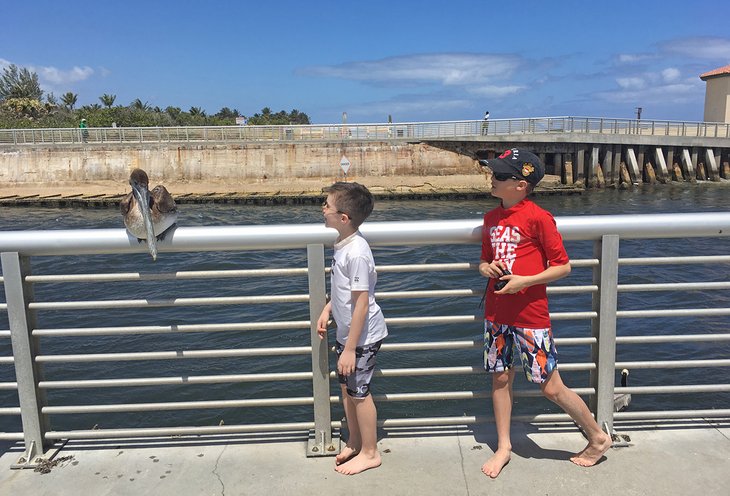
416 61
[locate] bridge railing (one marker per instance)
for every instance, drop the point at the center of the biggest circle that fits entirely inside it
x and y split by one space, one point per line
362 132
51 361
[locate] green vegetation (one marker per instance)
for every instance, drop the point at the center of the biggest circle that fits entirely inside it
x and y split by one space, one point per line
22 106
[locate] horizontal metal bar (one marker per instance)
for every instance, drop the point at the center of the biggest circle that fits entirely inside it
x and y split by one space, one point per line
11 436
233 326
673 364
674 286
672 414
178 431
176 405
183 275
382 269
444 293
183 380
4 334
710 259
174 355
430 232
173 302
11 410
694 388
7 360
460 370
8 385
463 395
683 338
677 312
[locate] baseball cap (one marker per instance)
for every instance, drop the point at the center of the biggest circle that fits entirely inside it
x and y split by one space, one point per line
521 163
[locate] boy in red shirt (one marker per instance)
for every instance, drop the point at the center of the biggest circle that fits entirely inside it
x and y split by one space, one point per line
522 249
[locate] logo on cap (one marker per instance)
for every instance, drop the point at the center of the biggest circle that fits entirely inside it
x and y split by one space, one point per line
527 169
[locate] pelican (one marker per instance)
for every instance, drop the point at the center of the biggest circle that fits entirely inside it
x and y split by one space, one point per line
148 214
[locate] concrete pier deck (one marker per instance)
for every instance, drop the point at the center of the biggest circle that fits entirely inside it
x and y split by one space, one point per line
662 457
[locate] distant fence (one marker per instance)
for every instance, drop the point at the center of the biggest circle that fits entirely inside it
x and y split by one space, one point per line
364 132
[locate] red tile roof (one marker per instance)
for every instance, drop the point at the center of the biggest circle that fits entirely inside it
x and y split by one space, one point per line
716 72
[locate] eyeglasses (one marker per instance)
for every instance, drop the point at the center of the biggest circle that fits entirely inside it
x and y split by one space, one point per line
327 206
505 176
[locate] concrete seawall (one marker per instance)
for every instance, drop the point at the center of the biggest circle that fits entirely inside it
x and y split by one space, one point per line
235 163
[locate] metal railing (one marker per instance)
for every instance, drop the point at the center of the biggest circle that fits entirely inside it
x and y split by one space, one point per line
406 131
34 383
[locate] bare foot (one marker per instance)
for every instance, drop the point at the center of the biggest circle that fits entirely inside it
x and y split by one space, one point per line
494 465
593 452
346 453
360 463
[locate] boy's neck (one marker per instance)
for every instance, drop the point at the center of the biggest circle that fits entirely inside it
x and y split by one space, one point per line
345 232
511 202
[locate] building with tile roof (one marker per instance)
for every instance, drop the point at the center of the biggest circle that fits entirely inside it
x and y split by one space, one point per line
717 94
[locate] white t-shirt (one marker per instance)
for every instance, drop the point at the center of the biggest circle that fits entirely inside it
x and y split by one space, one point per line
353 269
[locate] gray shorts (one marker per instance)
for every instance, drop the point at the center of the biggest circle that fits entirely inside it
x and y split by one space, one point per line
358 383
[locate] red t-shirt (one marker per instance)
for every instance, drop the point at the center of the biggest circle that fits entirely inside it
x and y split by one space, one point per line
526 239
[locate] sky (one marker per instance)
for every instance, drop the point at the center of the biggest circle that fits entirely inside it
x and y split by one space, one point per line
414 61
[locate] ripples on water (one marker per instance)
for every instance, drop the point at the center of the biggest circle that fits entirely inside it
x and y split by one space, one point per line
675 198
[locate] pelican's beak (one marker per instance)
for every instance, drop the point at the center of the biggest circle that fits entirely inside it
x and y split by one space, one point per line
142 194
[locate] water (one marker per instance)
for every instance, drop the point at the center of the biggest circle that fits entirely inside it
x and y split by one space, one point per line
675 198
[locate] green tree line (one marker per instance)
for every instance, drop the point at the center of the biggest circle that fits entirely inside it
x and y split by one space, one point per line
24 105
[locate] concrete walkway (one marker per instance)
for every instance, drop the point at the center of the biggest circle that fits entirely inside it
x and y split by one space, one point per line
672 457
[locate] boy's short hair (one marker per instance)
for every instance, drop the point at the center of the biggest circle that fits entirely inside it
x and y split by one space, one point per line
352 199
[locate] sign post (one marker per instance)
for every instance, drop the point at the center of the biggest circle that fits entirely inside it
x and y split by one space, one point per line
345 164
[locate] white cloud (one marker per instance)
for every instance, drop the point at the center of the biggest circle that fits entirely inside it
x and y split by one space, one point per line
706 47
57 76
670 74
628 83
494 91
448 69
409 105
686 91
633 58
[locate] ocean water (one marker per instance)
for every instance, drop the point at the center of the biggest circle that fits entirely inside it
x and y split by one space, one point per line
704 197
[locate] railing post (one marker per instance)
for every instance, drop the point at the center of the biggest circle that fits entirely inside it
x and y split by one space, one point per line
604 329
320 441
27 374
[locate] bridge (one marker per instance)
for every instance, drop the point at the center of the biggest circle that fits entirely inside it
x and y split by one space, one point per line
591 150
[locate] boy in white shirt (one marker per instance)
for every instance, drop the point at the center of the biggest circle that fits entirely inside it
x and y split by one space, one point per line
360 323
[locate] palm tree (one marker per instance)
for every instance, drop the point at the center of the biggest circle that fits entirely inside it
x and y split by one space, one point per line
138 105
69 99
107 100
196 111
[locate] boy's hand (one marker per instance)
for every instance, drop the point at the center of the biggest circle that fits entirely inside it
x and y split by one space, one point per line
346 363
322 324
515 284
492 270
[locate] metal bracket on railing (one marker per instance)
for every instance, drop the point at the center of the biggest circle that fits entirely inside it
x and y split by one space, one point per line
617 440
32 458
317 444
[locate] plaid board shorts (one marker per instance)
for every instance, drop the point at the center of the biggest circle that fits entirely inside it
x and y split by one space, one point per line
504 345
358 383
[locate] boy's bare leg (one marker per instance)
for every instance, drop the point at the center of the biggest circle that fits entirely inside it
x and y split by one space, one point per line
367 419
502 403
352 447
598 441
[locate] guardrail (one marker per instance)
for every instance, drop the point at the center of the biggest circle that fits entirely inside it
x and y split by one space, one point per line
407 131
40 370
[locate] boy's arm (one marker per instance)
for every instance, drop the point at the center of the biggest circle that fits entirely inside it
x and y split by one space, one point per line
515 283
346 363
324 318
